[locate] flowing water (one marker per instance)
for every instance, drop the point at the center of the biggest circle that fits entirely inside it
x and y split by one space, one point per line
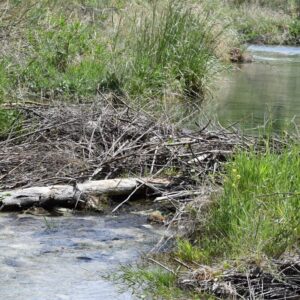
267 89
65 258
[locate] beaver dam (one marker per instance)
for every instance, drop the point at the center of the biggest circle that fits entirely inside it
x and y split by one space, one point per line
120 179
97 149
123 172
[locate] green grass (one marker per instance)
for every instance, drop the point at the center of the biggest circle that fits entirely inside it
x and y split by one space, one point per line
66 59
148 282
7 119
258 214
148 51
141 50
190 253
267 22
172 49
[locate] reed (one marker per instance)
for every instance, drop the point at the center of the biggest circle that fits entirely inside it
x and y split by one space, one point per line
170 48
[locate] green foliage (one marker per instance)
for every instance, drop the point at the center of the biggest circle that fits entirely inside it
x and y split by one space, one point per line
7 118
155 282
173 47
152 282
65 59
259 211
190 253
294 30
141 50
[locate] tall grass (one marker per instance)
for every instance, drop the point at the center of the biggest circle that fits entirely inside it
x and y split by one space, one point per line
264 21
259 212
139 50
171 48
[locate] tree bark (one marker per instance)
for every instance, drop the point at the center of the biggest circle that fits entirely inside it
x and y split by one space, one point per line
73 195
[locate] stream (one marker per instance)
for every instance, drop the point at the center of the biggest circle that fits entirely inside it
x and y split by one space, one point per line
65 258
267 89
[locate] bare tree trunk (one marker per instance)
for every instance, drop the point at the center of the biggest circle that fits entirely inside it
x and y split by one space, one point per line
71 196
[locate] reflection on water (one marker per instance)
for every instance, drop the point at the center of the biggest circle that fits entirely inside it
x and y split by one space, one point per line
267 88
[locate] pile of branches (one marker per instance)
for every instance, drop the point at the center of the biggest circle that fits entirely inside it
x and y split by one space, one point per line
50 144
55 144
281 281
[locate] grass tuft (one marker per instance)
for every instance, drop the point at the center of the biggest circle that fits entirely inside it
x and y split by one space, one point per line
152 282
173 46
258 214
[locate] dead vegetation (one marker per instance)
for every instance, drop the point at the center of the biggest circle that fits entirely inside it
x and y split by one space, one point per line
58 144
51 144
281 280
55 144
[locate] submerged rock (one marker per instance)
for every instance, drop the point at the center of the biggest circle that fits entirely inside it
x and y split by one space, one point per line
238 56
37 211
156 217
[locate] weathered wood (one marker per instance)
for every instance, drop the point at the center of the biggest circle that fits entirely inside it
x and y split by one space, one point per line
71 195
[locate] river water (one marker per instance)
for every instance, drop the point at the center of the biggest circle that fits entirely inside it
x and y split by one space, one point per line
267 89
65 258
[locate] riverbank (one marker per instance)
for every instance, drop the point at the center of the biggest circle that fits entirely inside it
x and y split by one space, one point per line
230 202
239 242
79 50
265 22
98 95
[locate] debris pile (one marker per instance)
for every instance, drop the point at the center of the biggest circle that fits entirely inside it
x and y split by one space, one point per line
281 281
67 143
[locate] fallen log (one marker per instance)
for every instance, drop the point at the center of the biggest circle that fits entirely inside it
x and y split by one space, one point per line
76 194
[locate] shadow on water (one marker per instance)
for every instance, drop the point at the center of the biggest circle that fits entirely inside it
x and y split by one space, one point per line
267 89
65 257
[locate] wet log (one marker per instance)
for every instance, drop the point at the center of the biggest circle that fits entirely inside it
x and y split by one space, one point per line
74 195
